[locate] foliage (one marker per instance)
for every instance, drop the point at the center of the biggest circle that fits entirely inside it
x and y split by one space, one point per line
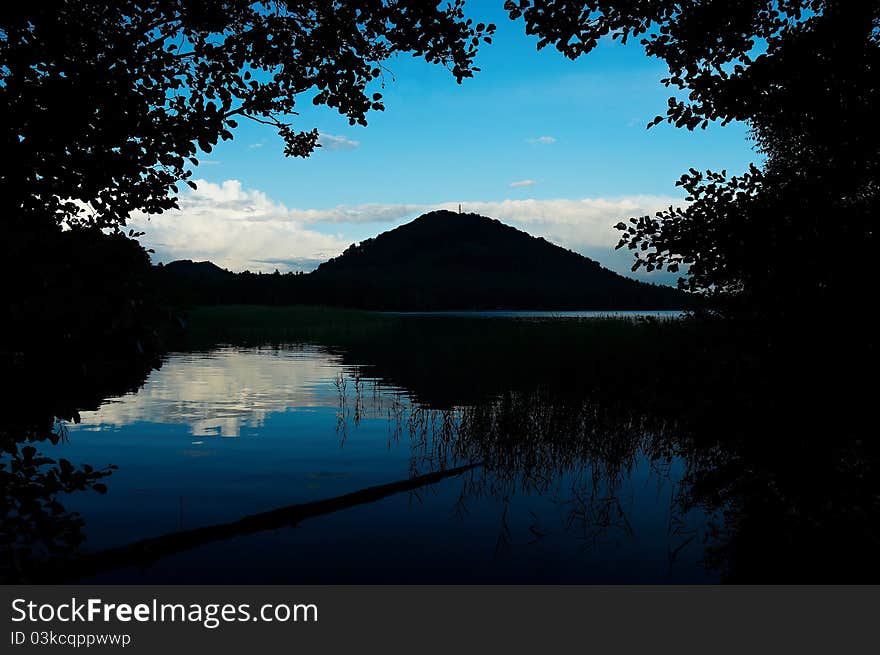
49 393
796 233
33 522
79 295
105 104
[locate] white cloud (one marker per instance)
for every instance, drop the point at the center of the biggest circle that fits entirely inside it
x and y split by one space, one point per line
254 146
580 225
335 142
523 183
209 162
366 213
237 229
543 140
242 229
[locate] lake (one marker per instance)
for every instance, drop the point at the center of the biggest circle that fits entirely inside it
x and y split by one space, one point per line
241 425
218 435
325 446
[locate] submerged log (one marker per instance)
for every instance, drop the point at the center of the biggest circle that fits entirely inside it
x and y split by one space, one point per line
145 552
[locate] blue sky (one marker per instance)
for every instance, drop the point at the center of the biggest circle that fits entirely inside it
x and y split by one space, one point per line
554 147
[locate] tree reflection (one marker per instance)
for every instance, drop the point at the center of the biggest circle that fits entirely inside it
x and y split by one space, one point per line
764 466
543 442
35 526
779 462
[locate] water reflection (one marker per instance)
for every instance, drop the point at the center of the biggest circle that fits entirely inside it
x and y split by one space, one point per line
35 478
452 453
557 488
221 392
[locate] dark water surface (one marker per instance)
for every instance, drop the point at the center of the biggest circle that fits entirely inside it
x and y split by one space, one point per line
318 446
215 436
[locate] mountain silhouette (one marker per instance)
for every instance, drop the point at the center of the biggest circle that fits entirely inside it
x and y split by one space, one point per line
442 260
449 260
186 268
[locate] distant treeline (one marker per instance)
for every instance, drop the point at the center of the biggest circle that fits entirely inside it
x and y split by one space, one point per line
187 283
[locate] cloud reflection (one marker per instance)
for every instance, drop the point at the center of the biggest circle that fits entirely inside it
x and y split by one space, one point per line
221 392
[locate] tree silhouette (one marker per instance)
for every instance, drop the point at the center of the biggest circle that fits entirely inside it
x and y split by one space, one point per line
795 233
105 103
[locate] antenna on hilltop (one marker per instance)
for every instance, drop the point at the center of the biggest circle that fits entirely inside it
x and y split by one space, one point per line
459 208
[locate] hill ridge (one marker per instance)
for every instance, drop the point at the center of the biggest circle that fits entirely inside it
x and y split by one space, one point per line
451 260
445 260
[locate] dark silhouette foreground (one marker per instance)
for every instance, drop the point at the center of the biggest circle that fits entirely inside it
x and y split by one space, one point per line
794 235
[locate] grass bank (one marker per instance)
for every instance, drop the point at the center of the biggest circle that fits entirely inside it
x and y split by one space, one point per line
256 324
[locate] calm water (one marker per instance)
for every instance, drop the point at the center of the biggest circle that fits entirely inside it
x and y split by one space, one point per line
215 436
327 447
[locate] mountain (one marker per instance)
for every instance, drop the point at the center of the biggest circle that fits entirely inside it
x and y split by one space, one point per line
186 268
440 261
448 260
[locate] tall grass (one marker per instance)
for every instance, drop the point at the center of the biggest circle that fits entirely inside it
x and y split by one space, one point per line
256 325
